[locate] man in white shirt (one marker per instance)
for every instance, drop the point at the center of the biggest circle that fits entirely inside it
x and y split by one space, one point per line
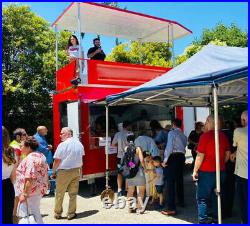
68 161
240 140
120 141
174 161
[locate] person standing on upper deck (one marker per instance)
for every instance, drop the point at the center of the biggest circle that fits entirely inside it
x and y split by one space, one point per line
96 52
73 52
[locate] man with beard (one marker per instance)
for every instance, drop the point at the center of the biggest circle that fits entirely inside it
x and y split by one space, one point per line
96 52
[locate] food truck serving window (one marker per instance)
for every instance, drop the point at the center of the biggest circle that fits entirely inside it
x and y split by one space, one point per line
139 115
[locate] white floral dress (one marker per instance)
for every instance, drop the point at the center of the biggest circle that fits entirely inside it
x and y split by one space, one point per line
33 167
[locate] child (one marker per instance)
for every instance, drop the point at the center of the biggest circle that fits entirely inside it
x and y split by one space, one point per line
149 176
158 181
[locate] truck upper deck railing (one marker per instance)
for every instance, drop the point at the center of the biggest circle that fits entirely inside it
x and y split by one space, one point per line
107 74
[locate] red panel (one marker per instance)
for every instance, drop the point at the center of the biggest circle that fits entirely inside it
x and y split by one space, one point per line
94 160
87 94
65 75
113 73
179 114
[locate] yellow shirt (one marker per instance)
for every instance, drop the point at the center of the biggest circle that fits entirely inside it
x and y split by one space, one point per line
241 141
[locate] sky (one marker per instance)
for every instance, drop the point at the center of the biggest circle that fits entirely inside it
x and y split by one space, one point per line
196 16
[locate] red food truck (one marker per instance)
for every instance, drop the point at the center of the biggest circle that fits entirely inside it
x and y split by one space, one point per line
73 104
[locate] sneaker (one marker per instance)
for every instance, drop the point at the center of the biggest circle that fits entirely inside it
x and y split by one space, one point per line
57 217
51 194
119 194
131 210
140 211
72 217
168 212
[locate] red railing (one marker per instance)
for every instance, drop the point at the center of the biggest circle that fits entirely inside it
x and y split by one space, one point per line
109 73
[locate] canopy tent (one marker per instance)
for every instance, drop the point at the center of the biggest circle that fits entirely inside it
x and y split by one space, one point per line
216 72
190 83
109 21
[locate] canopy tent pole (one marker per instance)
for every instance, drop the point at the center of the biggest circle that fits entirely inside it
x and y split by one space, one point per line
79 39
56 30
172 42
107 146
217 154
139 40
108 192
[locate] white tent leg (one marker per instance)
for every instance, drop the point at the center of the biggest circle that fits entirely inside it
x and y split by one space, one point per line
172 42
106 146
56 30
217 155
79 39
140 50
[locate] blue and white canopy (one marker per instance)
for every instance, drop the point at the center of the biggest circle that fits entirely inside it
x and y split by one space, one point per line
190 83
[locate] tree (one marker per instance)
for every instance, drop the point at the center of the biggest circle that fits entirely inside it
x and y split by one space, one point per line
28 68
156 54
220 35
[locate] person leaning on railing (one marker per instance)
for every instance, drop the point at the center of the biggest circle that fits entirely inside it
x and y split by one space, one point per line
73 53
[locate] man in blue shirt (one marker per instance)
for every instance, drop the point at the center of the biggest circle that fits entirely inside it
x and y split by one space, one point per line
45 148
173 163
43 145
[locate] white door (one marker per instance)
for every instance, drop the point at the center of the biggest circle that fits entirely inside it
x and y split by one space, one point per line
73 118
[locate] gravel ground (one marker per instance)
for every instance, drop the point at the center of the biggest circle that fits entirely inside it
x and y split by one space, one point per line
90 208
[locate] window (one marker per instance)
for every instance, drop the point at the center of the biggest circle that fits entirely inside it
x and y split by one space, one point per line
139 115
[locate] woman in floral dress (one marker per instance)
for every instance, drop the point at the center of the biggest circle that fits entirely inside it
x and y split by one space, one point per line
31 179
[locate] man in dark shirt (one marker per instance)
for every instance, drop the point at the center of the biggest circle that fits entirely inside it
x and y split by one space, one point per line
96 52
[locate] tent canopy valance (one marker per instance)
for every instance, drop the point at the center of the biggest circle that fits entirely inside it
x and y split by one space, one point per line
109 21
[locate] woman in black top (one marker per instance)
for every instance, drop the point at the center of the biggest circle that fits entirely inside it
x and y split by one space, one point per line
193 139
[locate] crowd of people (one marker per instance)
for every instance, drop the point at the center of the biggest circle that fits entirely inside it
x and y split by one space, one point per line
149 166
149 172
26 162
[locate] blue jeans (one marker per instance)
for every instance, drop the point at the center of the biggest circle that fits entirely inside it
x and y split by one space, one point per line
52 182
242 192
206 194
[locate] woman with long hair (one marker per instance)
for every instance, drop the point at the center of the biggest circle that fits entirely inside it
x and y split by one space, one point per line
73 50
8 176
31 179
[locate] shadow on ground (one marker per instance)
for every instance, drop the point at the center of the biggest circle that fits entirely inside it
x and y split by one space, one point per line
187 213
86 213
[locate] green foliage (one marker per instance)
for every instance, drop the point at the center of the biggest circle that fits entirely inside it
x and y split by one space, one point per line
28 68
231 35
220 35
156 54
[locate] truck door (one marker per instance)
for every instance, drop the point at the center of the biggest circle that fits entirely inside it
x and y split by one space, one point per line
73 118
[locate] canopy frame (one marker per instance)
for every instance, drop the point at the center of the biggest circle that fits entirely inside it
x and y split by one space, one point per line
214 85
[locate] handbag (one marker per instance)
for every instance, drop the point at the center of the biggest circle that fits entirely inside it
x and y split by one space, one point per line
28 219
